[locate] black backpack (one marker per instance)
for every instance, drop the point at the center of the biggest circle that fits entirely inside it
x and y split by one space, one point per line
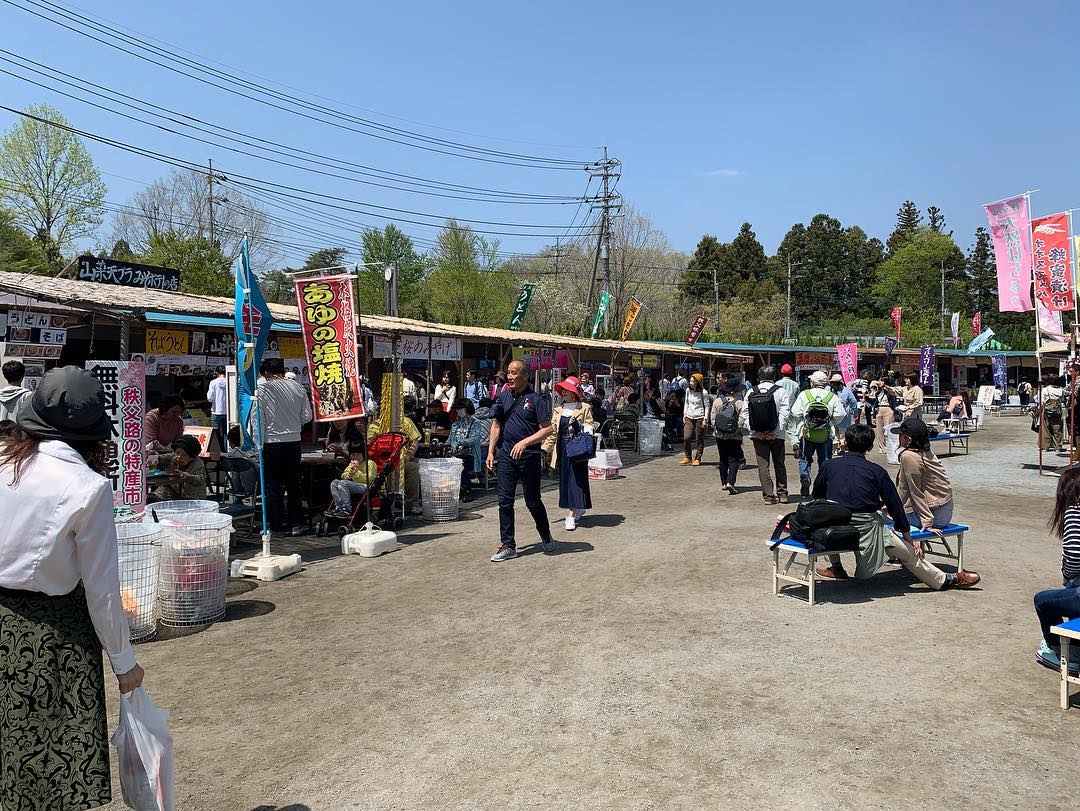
727 419
821 524
763 414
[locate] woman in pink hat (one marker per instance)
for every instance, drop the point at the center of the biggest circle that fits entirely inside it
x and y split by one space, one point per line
569 416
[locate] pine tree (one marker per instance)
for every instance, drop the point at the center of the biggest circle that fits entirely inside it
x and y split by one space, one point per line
697 280
936 220
747 264
982 272
908 220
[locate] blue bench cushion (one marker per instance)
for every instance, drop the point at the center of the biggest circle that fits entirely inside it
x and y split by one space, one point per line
921 535
941 437
796 546
1071 625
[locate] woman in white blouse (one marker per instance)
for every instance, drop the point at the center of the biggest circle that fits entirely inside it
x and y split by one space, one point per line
445 392
60 598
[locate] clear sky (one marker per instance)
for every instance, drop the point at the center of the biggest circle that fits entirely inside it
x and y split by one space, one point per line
719 112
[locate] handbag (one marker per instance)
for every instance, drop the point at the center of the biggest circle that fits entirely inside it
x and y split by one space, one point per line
821 524
580 446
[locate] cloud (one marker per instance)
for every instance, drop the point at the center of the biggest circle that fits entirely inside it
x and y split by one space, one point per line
724 173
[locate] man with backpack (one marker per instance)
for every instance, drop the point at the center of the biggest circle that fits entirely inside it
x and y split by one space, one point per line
815 412
766 416
788 384
726 418
1051 398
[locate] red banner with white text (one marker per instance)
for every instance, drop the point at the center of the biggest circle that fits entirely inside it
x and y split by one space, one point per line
895 316
1050 252
327 318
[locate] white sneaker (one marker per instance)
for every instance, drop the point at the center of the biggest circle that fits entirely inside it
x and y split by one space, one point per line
571 523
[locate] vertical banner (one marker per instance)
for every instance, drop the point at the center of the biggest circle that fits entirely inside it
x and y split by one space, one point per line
328 322
895 316
890 345
1011 232
1049 321
955 325
632 310
125 403
847 358
1000 373
252 322
1053 269
696 330
601 311
976 324
521 306
926 365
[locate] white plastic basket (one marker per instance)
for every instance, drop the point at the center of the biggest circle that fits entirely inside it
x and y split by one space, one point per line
650 437
138 554
440 485
194 568
892 444
184 506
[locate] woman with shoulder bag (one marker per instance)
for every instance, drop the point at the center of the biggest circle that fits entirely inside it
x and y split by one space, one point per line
726 418
571 419
60 601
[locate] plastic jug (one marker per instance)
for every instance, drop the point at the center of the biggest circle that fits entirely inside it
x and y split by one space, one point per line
368 542
892 444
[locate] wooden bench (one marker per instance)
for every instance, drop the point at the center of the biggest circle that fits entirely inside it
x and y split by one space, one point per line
1067 631
942 547
955 440
796 550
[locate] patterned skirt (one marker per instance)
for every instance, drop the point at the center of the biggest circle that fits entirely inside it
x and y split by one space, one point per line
54 744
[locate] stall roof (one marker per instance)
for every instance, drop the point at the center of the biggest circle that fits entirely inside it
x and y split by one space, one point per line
941 350
160 305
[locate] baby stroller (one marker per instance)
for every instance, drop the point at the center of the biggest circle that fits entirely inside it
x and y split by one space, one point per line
375 505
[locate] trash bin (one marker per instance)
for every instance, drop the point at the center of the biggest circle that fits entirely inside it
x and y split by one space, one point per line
440 488
138 554
892 444
978 413
184 506
650 437
194 568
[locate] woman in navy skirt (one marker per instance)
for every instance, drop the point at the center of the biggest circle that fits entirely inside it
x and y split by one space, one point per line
574 494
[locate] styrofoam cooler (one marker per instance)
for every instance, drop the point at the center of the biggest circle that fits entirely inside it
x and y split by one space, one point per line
605 465
978 413
194 568
138 552
892 444
650 437
440 488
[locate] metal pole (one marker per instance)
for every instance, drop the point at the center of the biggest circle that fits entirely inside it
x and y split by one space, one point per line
787 321
210 197
716 294
607 238
942 299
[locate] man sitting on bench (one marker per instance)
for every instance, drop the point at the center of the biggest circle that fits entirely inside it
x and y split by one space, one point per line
863 487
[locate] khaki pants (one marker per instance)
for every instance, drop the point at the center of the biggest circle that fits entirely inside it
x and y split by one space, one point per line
771 456
928 573
883 418
1053 432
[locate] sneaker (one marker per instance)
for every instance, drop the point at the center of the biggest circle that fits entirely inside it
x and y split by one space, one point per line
804 487
696 463
772 500
783 499
685 460
504 553
1051 659
415 509
547 544
570 523
298 531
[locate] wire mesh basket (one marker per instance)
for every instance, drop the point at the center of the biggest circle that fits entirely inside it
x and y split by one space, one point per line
166 509
138 554
650 437
440 488
194 568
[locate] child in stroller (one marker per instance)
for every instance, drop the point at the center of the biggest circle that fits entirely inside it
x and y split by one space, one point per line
366 475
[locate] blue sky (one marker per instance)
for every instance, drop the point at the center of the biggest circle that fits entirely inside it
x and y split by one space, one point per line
719 112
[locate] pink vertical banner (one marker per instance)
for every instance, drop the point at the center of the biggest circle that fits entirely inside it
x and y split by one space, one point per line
125 403
1010 227
1050 322
847 358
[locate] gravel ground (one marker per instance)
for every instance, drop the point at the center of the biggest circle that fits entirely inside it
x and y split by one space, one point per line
647 665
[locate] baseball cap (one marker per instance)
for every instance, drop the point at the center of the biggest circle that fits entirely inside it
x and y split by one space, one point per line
785 369
915 428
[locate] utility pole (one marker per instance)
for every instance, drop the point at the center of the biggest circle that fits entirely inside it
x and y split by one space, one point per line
210 196
942 299
609 206
787 319
716 297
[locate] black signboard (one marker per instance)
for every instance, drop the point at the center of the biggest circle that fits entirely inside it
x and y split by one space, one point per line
129 274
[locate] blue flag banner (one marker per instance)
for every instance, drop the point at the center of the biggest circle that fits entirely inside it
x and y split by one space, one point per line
252 321
926 365
979 341
890 345
1000 374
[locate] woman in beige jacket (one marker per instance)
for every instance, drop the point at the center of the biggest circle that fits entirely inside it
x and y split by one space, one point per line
572 414
921 481
912 394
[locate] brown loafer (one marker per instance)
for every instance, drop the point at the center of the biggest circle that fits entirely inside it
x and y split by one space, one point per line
965 580
830 573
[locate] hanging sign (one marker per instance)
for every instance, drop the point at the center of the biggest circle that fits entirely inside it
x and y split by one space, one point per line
696 329
521 306
954 323
997 362
847 357
167 341
632 310
125 403
976 323
895 317
415 347
1011 232
926 365
1049 321
1050 251
128 274
328 322
601 311
979 341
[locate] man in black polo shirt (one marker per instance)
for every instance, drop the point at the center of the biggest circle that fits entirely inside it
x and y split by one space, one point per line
521 420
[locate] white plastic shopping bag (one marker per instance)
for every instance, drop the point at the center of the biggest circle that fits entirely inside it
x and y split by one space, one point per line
144 753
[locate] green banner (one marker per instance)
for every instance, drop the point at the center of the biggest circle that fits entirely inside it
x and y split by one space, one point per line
521 306
601 311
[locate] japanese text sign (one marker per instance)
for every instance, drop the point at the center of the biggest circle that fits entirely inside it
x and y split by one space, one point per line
896 315
327 319
890 347
521 306
926 365
125 403
696 329
976 323
847 358
129 274
1050 253
997 362
1010 230
415 347
167 341
632 310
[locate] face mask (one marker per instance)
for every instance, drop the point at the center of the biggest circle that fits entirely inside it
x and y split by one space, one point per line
571 404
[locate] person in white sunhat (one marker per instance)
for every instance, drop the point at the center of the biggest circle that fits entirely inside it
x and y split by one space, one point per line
571 416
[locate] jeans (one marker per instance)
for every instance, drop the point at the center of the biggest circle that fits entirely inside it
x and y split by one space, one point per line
281 470
221 422
1052 606
527 471
807 451
731 457
942 516
343 490
770 455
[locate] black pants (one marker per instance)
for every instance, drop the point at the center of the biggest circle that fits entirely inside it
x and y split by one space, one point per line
281 469
527 471
731 458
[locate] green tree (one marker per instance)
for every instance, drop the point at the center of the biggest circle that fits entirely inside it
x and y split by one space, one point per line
49 180
467 284
911 277
982 272
908 220
121 251
19 253
747 264
277 286
696 283
381 248
203 267
936 220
